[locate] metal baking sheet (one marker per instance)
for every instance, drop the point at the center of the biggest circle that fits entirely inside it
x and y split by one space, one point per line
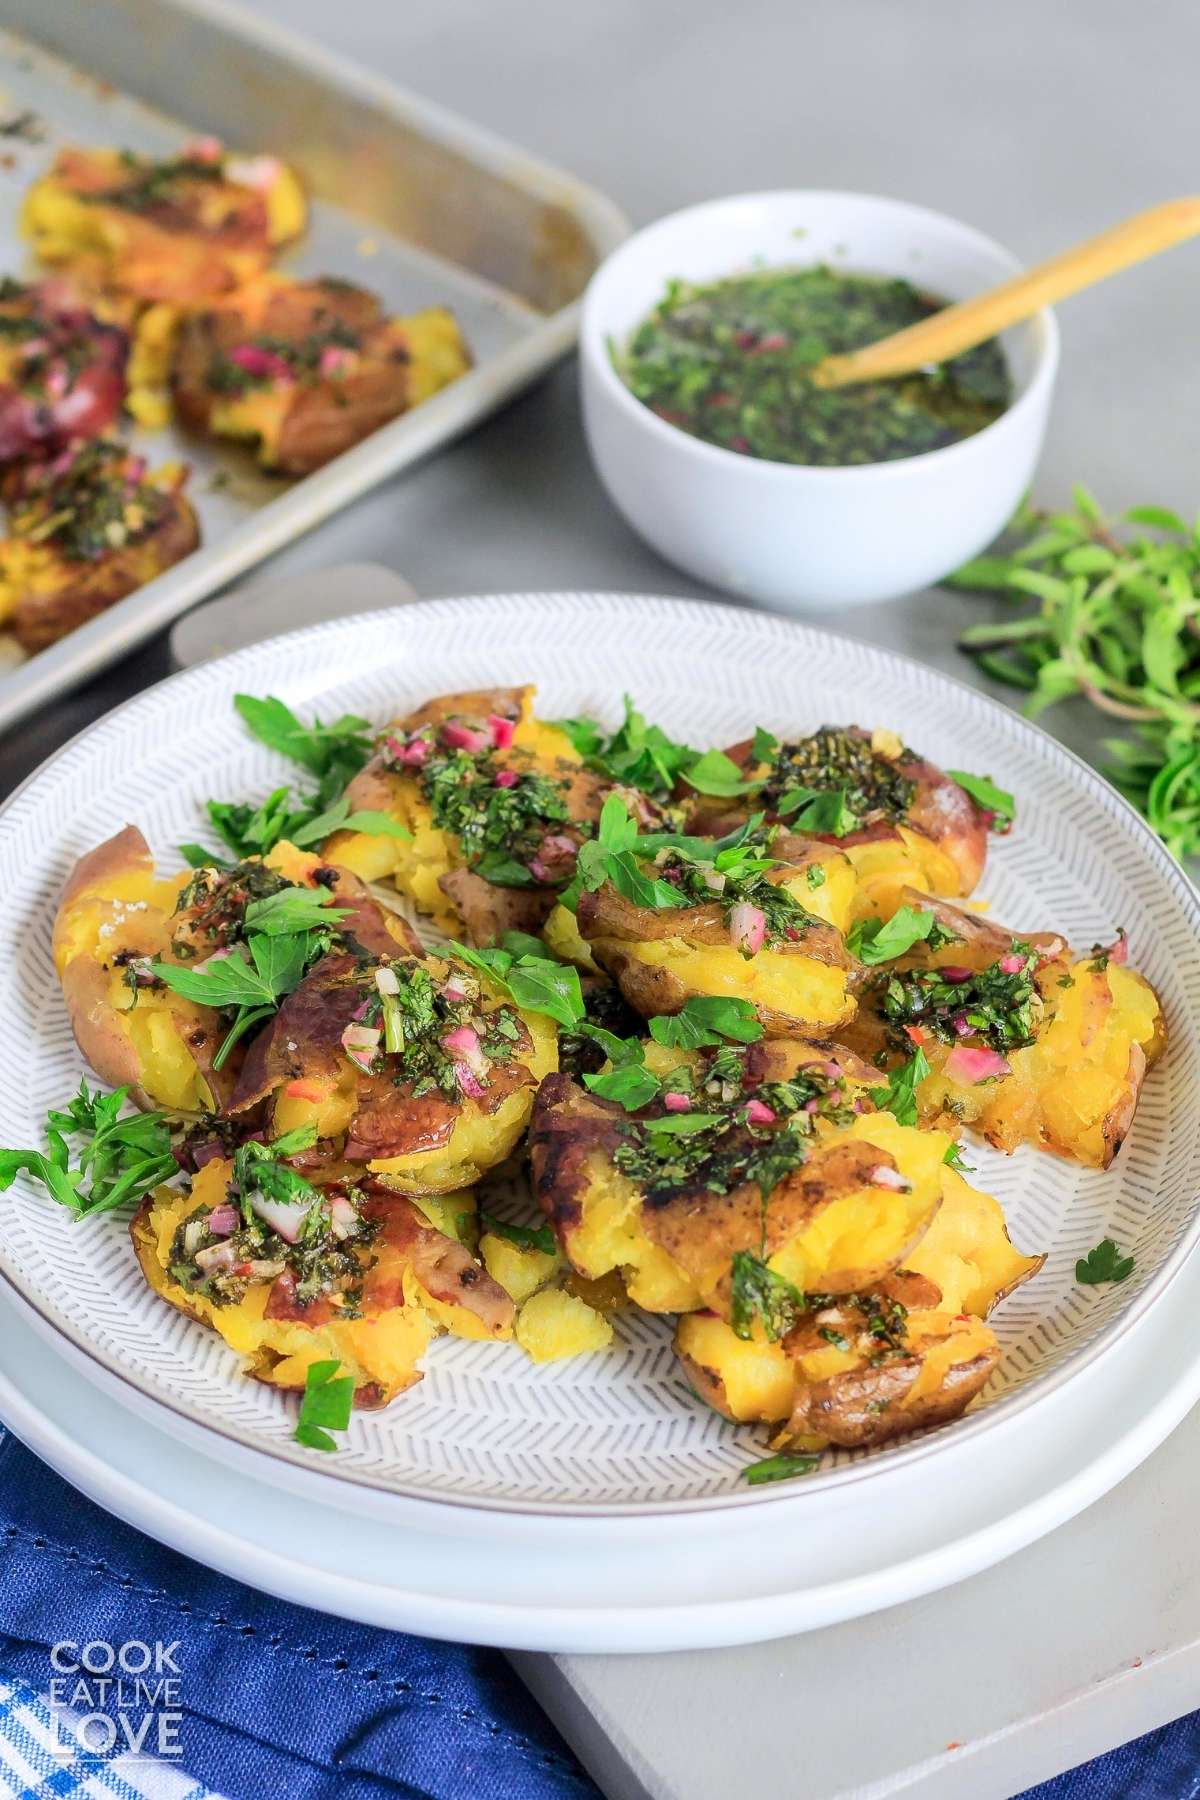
421 207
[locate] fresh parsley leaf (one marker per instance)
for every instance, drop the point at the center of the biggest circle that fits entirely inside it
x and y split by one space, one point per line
874 941
631 1086
527 1237
759 1293
683 1124
992 799
1103 1263
764 746
343 747
636 755
818 810
197 857
119 1159
954 1159
262 1169
616 830
899 1097
718 774
291 909
707 1019
782 1467
326 1405
535 983
523 943
338 817
227 981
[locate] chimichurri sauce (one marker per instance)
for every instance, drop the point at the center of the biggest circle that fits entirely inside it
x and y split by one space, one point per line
729 363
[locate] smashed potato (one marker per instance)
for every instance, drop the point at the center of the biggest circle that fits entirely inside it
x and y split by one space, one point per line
116 915
493 799
848 1193
305 370
430 1097
901 821
383 1290
1025 1042
85 530
858 1369
169 228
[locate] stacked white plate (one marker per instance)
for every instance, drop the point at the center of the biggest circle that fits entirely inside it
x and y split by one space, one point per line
596 1504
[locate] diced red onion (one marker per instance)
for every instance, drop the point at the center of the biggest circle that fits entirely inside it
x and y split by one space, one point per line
343 1217
458 988
886 1177
813 1105
759 1113
334 359
464 1046
361 1044
954 972
284 1217
713 880
502 730
539 871
1012 964
970 1064
748 927
676 1103
832 1069
961 1024
257 172
222 1220
468 1082
412 754
505 778
259 362
217 1259
465 737
1118 952
207 1152
205 149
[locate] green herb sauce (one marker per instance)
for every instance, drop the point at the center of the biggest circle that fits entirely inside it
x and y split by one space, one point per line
730 363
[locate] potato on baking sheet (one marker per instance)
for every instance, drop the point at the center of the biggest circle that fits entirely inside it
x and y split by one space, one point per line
900 820
1025 1041
290 1273
302 370
163 228
858 1369
420 1072
86 529
62 369
767 1149
117 915
497 803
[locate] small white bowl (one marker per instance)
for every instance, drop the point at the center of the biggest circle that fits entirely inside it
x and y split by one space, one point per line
777 532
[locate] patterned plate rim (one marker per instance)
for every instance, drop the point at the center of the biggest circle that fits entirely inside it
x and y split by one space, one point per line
905 1452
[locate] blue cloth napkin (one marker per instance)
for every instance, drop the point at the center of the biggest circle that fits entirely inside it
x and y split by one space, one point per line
280 1702
277 1703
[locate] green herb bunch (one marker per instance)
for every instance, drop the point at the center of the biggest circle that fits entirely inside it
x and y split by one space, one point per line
1112 613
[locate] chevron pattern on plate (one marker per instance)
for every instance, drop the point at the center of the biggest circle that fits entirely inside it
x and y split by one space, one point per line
619 1430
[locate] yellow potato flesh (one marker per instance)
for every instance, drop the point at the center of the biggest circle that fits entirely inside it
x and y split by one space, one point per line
1063 1087
132 910
561 934
864 1234
610 1236
553 1324
520 1271
835 896
386 1349
885 868
967 1252
793 984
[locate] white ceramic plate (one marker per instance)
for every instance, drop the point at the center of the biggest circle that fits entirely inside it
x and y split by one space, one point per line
616 1431
609 1585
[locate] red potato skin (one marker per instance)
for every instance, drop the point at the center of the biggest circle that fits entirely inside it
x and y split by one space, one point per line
73 387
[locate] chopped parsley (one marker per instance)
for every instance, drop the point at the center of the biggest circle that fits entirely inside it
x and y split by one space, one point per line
525 1237
998 805
326 1405
899 1097
784 1466
97 504
874 941
999 1009
838 762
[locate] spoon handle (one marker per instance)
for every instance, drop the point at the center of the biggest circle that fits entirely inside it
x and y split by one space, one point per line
958 328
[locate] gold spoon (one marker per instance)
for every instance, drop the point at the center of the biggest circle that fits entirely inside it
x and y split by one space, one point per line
958 328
